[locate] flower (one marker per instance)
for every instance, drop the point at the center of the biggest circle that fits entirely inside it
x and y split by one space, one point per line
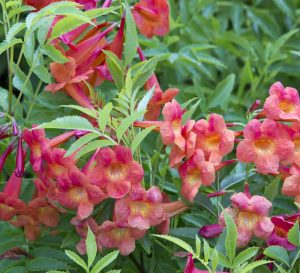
190 266
291 184
75 192
279 236
265 144
250 214
211 231
142 209
213 138
116 172
119 235
283 103
88 4
152 17
10 204
39 4
195 172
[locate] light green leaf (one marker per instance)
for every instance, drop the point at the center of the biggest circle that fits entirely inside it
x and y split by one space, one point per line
29 48
253 265
43 30
45 263
198 246
90 112
94 145
80 142
176 241
131 38
114 271
43 73
104 116
278 253
188 114
294 235
244 256
231 237
140 137
20 83
73 256
214 260
14 30
5 45
206 250
142 106
68 122
54 54
91 247
271 190
105 261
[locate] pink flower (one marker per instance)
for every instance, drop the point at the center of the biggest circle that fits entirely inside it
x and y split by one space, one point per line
211 231
213 138
283 103
190 266
142 209
116 172
76 192
152 17
265 144
195 172
119 235
279 235
291 184
250 214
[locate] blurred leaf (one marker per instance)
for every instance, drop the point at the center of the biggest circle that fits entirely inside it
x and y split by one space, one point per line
73 256
177 242
91 247
294 234
231 237
278 253
105 261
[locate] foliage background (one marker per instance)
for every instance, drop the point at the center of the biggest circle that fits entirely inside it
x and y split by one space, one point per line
224 53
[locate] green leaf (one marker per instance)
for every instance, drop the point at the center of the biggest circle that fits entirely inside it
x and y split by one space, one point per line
140 137
142 106
20 82
94 145
231 237
91 247
5 45
55 271
90 112
104 116
206 250
68 122
42 73
126 123
188 114
43 30
198 246
14 30
278 253
45 263
115 68
105 261
176 241
294 235
29 45
253 265
80 142
223 91
131 38
114 271
73 256
214 260
54 54
244 256
271 190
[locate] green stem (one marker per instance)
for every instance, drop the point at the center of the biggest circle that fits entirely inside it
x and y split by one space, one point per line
10 84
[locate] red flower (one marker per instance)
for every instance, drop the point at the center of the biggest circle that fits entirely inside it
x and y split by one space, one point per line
142 209
116 172
119 235
152 17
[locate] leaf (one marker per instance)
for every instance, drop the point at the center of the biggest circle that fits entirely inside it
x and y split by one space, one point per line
55 271
5 45
14 30
115 68
198 246
114 271
244 256
73 256
223 91
46 263
104 116
94 145
131 38
80 142
91 247
231 237
214 260
54 54
90 112
188 114
253 265
43 30
140 137
105 261
126 123
142 106
176 241
21 82
271 190
294 235
278 253
29 45
206 250
42 73
68 122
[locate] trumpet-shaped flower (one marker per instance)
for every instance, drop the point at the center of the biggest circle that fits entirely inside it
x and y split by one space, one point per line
142 209
291 184
283 103
116 171
265 144
152 17
279 235
250 214
10 204
195 172
213 138
119 235
39 4
76 192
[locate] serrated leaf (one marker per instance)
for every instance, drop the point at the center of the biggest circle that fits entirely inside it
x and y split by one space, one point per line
78 260
271 190
142 106
5 45
140 137
105 261
206 250
294 235
54 54
131 38
29 46
91 247
176 241
214 260
253 265
43 73
231 237
278 253
90 112
68 122
14 30
244 256
104 116
198 246
45 263
94 145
